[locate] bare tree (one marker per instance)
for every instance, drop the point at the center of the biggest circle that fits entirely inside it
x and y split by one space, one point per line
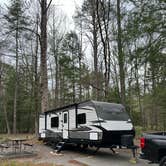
36 77
103 20
95 45
5 111
56 35
43 44
121 57
88 17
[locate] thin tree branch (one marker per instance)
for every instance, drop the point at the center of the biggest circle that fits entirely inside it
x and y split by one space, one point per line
49 5
31 30
39 2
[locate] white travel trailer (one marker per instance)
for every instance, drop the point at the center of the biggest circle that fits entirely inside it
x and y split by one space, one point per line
92 123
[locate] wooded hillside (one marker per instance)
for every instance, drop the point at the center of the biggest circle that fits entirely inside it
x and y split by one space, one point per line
115 53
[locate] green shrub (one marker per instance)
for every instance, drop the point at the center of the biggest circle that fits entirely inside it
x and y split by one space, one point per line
139 130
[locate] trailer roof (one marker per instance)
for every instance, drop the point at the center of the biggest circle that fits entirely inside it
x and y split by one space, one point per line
67 106
112 104
82 103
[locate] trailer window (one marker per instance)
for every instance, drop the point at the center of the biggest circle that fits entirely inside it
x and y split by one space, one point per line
55 122
65 118
81 118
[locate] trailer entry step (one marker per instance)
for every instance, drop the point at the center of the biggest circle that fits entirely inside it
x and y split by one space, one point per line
59 146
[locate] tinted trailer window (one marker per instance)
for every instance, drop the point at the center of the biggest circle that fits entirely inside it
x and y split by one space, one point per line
81 118
111 112
54 122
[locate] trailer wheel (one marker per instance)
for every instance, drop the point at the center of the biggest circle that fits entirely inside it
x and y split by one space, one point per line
78 145
163 161
83 146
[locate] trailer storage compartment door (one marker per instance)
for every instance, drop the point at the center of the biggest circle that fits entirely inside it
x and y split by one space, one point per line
42 126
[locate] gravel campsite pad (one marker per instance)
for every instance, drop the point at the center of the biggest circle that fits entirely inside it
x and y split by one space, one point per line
74 157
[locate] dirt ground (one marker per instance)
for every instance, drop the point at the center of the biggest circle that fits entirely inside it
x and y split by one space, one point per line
46 156
72 156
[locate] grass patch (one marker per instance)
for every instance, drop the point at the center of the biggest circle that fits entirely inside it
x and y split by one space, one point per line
28 137
8 136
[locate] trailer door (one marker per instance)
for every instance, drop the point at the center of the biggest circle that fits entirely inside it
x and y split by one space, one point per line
65 125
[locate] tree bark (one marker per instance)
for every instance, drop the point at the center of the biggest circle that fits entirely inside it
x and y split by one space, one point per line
16 86
36 89
95 47
4 102
103 22
80 64
43 43
1 72
55 54
121 57
139 91
144 93
6 116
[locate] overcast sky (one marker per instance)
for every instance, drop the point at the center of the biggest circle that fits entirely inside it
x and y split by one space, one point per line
68 6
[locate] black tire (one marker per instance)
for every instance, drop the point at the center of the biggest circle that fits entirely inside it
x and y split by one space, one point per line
83 146
163 161
78 146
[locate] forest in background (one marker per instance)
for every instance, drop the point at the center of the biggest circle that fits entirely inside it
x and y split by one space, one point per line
115 53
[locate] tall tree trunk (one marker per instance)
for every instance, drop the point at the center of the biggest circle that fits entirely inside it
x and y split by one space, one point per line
95 49
104 44
57 80
73 77
55 53
116 80
3 97
4 102
36 89
144 93
106 27
130 92
80 78
103 29
44 78
138 91
6 116
80 65
16 87
154 108
1 72
62 86
121 57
